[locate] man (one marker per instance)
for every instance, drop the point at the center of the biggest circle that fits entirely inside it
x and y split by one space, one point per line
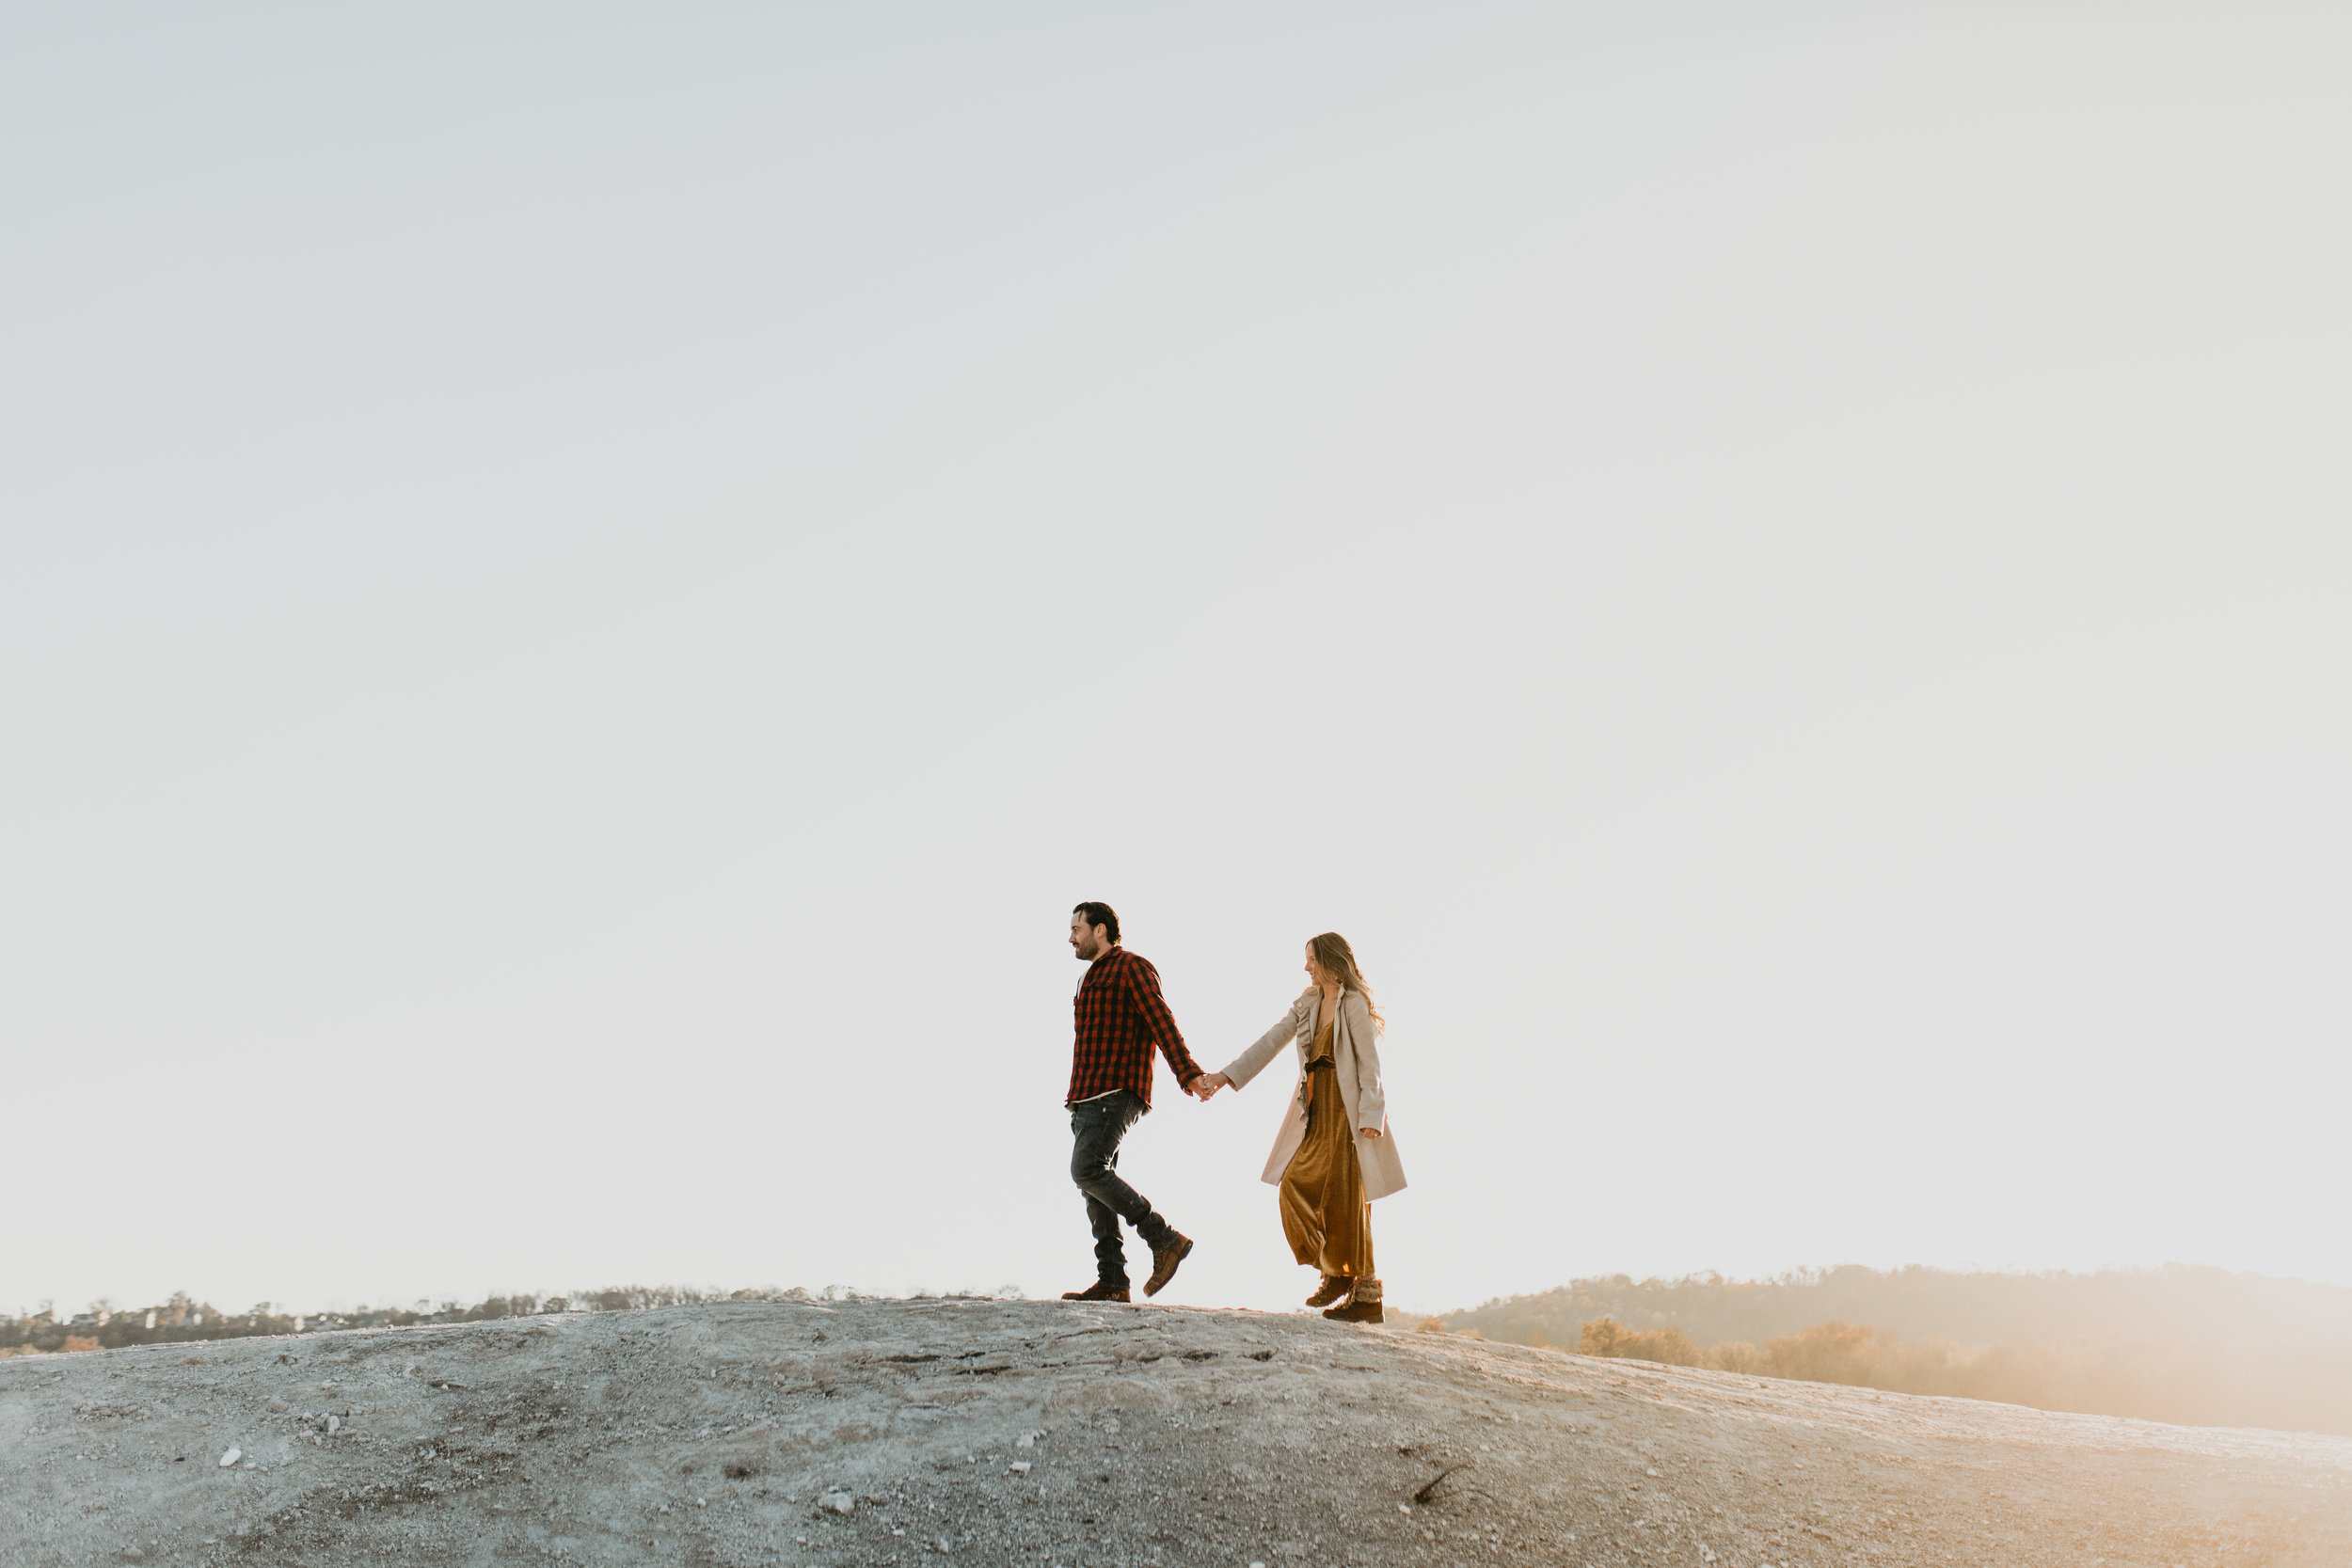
1120 1017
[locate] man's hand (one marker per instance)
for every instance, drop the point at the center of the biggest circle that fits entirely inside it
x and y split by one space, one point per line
1207 1084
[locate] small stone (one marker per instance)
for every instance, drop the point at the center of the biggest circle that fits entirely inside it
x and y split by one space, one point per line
1019 1467
231 1457
840 1502
278 1407
334 1425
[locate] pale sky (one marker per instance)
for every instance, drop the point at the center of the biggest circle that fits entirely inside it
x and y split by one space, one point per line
584 588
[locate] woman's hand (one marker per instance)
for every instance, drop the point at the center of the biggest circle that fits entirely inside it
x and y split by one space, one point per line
1372 1132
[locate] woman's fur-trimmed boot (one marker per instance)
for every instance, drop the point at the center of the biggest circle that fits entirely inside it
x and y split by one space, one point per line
1363 1304
1334 1285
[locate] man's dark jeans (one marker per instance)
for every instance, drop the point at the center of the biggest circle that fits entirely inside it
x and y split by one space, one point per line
1097 1126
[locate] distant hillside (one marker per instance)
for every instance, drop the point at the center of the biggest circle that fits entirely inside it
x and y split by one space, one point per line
2201 1346
182 1319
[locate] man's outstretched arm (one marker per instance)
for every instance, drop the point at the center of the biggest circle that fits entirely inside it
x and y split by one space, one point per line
1159 1024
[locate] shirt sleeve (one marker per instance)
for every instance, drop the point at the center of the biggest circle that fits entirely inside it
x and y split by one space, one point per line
1159 1024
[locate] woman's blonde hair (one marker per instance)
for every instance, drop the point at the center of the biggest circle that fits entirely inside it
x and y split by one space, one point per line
1339 961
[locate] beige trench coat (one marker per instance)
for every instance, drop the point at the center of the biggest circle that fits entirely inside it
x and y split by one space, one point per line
1358 1059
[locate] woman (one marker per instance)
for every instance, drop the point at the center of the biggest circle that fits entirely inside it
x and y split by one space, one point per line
1333 1155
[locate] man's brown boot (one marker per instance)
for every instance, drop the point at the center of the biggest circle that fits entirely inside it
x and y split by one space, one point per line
1363 1304
1164 1263
1097 1291
1334 1285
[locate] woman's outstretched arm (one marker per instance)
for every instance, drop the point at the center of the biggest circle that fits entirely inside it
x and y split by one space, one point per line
1252 1062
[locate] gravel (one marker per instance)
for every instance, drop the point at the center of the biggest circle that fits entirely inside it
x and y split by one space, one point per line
1049 1433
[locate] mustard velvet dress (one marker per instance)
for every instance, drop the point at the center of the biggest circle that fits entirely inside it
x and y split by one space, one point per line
1325 1214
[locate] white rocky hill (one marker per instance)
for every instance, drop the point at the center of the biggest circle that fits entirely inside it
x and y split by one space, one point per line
1050 1434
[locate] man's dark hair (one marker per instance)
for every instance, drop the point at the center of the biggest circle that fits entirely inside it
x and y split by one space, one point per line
1100 914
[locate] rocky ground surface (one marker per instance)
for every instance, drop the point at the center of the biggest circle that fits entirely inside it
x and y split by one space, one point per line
1051 1434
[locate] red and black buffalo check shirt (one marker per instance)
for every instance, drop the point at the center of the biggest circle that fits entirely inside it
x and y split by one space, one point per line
1121 1016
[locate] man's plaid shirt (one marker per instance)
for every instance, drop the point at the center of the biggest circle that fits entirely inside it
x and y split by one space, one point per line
1121 1016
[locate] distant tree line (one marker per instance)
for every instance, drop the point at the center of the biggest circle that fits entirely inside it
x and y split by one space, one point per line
2193 1346
180 1320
